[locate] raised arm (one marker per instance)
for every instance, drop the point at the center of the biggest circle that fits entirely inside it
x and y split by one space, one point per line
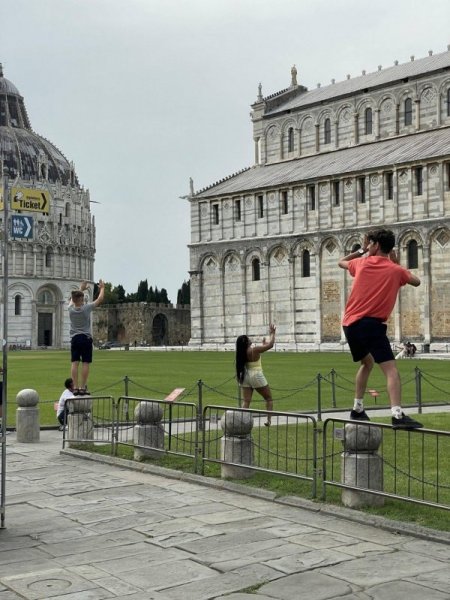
344 261
265 344
101 294
413 279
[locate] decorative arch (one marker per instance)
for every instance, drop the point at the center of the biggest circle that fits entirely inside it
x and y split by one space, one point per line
288 129
278 253
345 121
272 143
307 135
387 115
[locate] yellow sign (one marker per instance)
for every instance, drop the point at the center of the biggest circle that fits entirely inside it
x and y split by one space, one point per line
29 199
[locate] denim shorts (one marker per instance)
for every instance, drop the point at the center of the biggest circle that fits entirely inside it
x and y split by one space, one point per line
368 336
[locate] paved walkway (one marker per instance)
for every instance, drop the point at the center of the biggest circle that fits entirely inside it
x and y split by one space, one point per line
78 529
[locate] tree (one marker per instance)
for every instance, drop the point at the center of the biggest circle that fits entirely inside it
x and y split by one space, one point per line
163 296
120 292
184 293
142 291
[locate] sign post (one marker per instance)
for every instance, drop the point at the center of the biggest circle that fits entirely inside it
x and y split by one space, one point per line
4 347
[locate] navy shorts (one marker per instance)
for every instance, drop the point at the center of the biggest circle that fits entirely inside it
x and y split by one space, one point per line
81 348
368 336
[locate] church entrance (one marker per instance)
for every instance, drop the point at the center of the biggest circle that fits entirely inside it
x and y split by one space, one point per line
45 329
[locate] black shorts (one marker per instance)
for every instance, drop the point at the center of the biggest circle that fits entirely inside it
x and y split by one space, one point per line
81 348
368 336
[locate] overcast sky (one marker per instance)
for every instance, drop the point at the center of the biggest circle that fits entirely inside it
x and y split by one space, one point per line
143 94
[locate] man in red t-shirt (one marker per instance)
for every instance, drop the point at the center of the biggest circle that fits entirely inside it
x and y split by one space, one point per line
378 278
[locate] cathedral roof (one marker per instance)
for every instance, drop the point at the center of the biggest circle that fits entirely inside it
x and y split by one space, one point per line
390 75
24 152
372 156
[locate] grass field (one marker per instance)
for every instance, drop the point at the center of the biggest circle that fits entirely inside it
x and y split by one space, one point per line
293 378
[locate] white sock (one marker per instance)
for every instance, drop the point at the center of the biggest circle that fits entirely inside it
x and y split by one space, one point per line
396 412
358 405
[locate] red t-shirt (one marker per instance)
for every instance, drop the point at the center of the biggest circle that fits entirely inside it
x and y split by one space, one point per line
375 288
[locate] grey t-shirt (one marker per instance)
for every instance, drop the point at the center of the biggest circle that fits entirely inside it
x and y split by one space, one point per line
80 319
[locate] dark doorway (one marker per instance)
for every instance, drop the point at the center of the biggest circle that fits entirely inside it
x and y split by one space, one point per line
160 330
45 329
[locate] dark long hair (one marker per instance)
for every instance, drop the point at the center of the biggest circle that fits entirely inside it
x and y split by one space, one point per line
242 344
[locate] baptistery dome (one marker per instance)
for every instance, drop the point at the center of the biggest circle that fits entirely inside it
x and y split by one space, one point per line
24 152
49 252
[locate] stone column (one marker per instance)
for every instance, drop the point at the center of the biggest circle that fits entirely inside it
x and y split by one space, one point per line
361 465
355 128
27 416
79 420
377 123
148 434
236 444
426 287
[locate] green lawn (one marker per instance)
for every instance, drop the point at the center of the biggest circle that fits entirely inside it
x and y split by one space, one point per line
293 378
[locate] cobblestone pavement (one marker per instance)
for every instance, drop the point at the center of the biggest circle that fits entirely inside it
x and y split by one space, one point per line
78 529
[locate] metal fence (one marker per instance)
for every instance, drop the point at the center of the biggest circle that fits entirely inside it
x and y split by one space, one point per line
178 420
415 463
287 447
95 420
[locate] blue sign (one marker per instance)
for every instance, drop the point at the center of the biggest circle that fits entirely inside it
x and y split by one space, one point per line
22 227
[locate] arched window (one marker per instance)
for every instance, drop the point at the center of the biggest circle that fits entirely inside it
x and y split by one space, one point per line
256 269
306 264
448 102
291 139
45 297
67 210
368 121
327 131
408 111
17 305
413 255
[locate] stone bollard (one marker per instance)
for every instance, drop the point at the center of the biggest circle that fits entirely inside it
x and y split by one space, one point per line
79 420
361 465
236 444
27 416
148 433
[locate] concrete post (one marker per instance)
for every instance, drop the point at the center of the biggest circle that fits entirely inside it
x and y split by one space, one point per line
236 444
79 420
148 434
361 465
27 416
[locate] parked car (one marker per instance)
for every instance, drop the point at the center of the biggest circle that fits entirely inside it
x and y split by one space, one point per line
109 345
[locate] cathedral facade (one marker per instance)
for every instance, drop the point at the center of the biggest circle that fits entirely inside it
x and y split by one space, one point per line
331 164
49 230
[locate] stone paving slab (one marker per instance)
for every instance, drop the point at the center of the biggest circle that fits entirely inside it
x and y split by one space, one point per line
85 530
367 572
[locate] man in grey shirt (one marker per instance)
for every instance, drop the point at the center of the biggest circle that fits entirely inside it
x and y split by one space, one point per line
81 335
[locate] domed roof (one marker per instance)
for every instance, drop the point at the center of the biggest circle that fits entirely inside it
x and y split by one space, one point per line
24 152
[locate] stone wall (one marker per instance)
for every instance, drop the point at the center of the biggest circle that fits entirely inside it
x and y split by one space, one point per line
145 323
